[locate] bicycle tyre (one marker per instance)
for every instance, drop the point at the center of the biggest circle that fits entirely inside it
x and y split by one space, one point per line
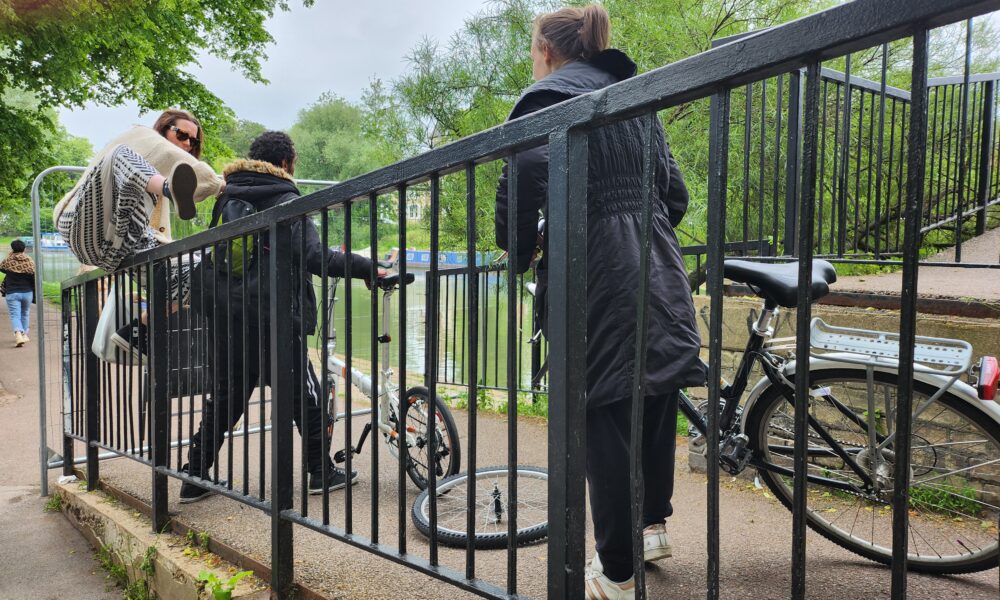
448 447
770 436
452 508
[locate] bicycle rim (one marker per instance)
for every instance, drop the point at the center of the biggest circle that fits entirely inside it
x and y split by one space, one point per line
447 450
492 507
954 486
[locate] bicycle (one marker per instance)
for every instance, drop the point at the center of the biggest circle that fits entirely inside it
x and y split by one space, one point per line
954 482
415 411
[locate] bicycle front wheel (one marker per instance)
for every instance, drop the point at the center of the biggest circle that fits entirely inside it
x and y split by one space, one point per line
492 504
954 479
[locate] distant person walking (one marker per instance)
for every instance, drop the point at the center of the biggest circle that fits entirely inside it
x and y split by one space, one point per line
570 57
18 287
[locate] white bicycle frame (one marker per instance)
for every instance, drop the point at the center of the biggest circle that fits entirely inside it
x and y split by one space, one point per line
388 392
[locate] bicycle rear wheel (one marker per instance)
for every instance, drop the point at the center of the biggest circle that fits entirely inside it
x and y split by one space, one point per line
492 506
447 458
954 485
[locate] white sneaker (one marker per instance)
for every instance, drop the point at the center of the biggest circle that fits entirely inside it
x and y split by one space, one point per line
18 339
598 587
655 543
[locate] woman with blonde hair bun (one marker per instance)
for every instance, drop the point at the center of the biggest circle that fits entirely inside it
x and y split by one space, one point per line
570 57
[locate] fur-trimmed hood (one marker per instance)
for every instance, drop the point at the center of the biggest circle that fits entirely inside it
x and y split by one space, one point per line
255 166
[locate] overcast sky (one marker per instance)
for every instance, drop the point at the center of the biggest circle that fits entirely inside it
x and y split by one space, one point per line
337 46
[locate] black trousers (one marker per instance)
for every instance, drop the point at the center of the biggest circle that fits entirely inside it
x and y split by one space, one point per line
608 467
237 371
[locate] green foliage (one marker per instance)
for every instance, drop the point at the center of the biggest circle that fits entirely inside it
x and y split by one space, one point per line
948 499
236 135
218 587
54 503
117 568
330 142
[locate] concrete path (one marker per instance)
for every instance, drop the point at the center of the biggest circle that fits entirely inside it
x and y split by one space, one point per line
42 555
945 282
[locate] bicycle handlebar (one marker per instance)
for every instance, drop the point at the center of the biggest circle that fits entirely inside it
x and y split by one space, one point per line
391 282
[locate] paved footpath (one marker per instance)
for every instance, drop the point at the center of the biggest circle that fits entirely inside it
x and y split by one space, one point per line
755 540
41 554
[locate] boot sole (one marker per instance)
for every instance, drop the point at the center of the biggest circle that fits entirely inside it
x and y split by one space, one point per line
183 182
657 554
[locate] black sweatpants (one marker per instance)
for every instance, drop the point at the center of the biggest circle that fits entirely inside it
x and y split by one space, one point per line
608 468
236 364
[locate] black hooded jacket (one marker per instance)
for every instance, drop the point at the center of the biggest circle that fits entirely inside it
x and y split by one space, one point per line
614 219
264 186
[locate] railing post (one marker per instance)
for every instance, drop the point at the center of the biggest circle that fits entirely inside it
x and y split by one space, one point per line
792 159
916 163
282 387
567 314
159 403
92 383
67 383
985 155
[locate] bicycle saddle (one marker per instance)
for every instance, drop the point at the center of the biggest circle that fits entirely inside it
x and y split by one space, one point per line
780 282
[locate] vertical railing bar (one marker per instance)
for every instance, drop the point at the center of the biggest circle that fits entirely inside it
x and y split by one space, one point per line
746 166
821 192
908 311
326 431
403 395
472 293
964 139
263 338
512 380
91 380
244 366
636 484
349 366
881 146
566 312
216 363
900 190
844 161
230 351
935 150
945 206
67 306
857 167
985 154
375 351
869 179
717 186
792 160
888 186
301 354
280 276
803 316
835 176
159 414
432 340
778 94
762 159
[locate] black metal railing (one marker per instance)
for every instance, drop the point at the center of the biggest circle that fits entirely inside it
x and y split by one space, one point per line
102 411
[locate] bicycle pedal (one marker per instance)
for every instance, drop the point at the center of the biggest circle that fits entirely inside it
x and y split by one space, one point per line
340 456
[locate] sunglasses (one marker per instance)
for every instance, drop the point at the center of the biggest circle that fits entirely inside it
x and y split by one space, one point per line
185 136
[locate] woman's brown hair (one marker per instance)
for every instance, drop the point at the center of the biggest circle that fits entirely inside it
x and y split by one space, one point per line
574 33
168 117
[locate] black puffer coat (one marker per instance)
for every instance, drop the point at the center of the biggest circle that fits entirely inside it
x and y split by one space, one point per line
265 186
614 222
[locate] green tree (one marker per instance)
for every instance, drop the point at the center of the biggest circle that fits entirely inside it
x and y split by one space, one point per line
329 141
71 52
237 134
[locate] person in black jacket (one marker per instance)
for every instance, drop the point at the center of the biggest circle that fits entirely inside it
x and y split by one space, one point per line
570 57
264 181
18 287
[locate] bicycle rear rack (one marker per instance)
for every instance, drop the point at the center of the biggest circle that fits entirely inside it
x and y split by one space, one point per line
940 356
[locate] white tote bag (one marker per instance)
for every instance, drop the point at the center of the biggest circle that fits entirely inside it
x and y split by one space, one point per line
114 314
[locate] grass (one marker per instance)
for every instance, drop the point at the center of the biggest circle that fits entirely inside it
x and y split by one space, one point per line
946 499
54 503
